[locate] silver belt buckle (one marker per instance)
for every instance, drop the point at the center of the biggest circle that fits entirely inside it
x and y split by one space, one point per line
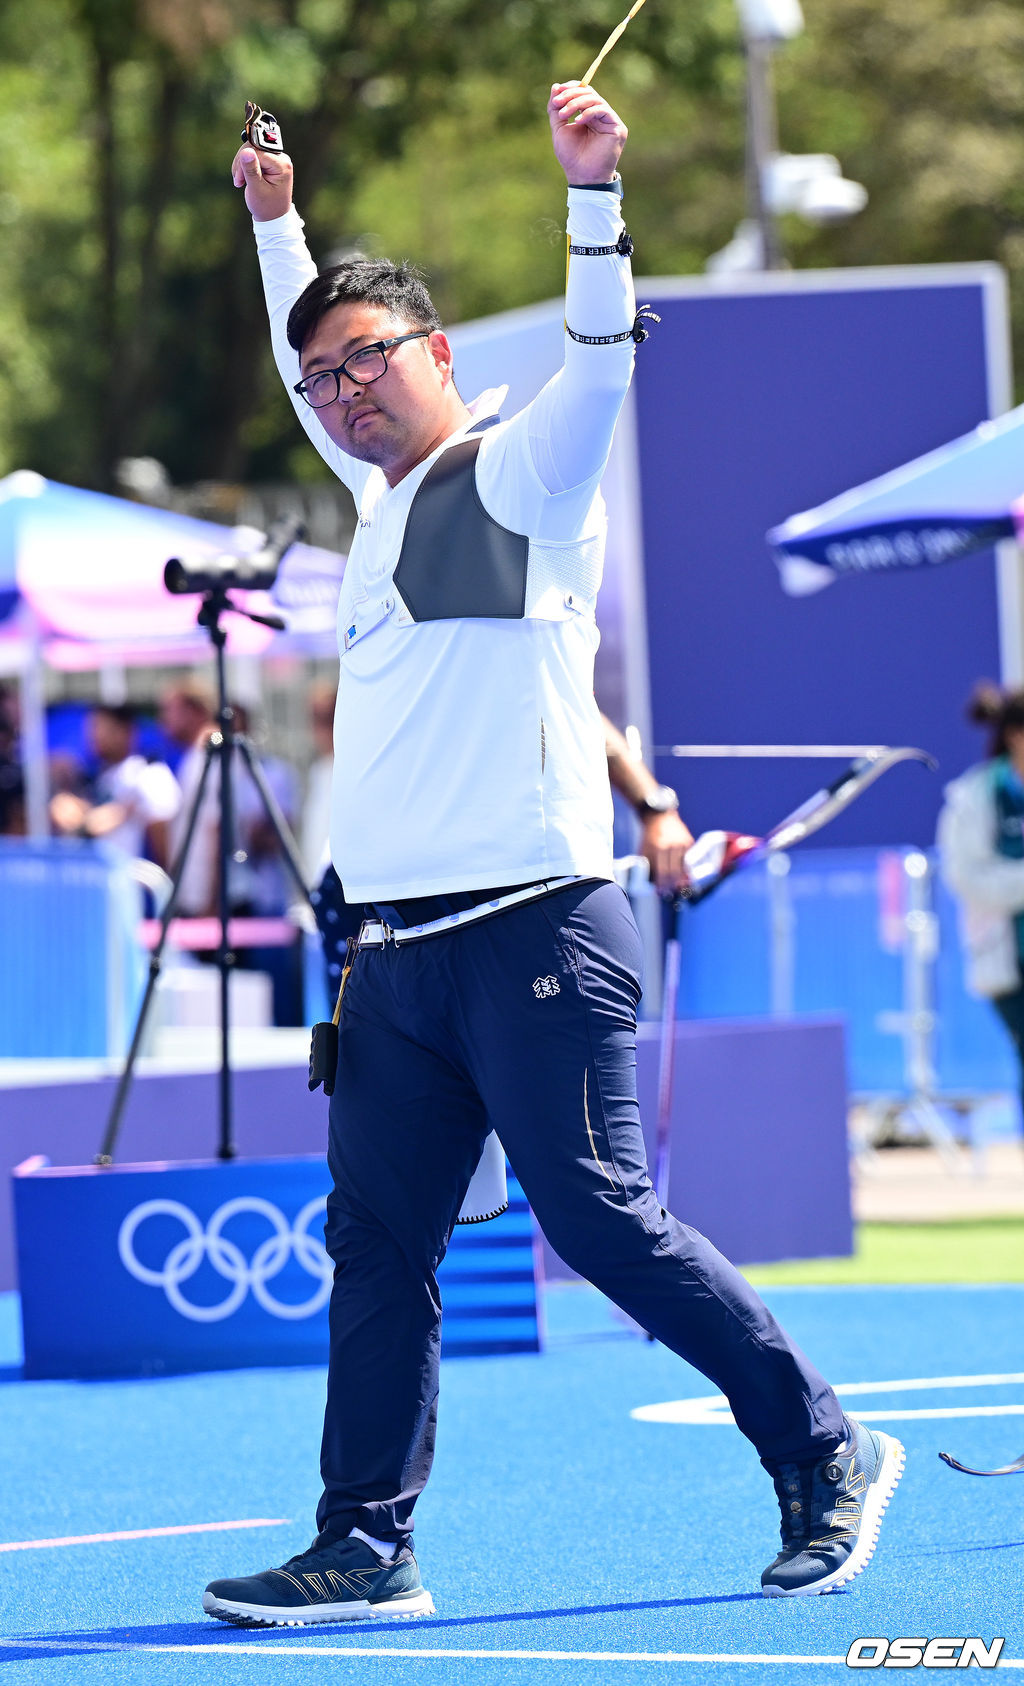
373 933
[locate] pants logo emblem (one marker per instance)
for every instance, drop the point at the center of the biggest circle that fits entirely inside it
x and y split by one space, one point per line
543 987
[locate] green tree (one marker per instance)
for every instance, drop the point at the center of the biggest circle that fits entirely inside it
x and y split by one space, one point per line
131 320
136 321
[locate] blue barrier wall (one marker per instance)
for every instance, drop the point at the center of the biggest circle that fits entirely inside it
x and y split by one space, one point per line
847 957
70 968
147 1269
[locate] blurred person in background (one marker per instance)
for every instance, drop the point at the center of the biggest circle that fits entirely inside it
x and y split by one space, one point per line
260 883
981 858
130 802
187 717
258 880
12 783
66 774
316 810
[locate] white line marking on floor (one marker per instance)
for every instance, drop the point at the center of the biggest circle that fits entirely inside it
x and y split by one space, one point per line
409 1652
103 1068
714 1408
263 1648
146 1533
889 1287
919 1384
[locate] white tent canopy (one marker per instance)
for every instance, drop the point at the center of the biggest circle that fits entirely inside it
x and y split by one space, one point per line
81 587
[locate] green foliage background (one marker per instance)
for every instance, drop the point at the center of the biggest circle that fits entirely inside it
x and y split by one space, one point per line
130 315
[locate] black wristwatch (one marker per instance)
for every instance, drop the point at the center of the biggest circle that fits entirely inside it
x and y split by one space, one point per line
663 800
613 186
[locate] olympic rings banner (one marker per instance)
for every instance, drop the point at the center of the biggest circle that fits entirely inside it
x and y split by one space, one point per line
148 1269
227 1258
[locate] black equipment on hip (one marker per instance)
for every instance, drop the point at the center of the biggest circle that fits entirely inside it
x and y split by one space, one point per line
323 1056
323 1047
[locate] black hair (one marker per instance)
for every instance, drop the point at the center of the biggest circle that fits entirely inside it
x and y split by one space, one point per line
1002 710
123 713
397 287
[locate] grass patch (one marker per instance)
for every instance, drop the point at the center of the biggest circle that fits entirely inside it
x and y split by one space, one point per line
967 1250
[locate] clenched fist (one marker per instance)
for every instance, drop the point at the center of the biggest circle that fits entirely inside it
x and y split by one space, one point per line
588 136
267 179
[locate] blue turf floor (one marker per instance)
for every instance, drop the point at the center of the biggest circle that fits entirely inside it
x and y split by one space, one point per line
556 1525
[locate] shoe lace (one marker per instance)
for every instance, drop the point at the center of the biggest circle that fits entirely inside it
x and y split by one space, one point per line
808 1499
316 1548
793 1490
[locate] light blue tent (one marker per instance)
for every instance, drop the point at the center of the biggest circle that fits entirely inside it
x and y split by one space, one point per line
81 586
963 497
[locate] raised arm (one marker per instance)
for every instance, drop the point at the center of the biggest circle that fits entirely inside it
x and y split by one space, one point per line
287 269
567 430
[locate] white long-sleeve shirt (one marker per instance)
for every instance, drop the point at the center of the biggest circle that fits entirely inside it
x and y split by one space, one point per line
469 751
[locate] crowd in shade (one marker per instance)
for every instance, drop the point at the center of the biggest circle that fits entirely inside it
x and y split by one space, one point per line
12 783
130 780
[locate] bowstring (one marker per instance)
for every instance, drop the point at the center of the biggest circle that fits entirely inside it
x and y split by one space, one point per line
616 34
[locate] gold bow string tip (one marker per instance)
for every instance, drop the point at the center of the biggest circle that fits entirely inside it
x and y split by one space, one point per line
617 32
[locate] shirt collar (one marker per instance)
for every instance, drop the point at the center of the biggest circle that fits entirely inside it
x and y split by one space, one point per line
484 409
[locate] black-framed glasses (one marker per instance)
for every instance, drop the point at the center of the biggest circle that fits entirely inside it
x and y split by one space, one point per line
362 366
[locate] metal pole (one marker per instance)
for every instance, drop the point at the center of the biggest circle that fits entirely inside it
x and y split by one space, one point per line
919 1018
225 956
782 922
762 144
33 737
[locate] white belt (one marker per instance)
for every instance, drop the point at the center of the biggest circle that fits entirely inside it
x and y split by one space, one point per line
374 933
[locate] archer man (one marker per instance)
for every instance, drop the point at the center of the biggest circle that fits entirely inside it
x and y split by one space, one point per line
497 977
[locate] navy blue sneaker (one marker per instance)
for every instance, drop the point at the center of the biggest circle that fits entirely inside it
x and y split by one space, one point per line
832 1513
334 1581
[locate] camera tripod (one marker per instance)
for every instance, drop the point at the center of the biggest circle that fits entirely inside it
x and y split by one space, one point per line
223 746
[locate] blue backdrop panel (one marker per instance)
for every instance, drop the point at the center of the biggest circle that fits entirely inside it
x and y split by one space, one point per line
759 1156
751 406
145 1269
759 1162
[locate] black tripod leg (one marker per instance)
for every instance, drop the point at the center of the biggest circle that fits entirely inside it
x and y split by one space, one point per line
106 1153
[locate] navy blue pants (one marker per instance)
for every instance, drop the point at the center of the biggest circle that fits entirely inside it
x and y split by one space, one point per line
524 1023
